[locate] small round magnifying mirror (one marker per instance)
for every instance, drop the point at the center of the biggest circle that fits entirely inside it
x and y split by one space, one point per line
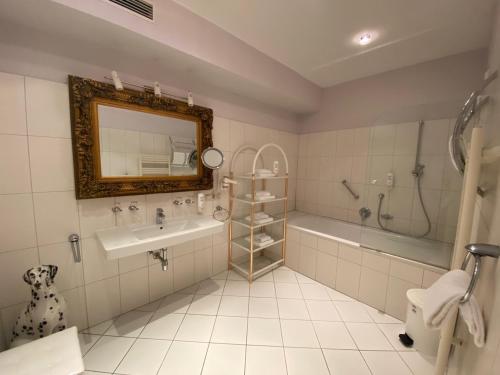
212 158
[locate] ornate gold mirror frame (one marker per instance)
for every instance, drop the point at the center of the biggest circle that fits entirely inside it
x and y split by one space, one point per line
84 95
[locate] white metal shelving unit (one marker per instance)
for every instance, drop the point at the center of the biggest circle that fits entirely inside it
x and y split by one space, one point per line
255 262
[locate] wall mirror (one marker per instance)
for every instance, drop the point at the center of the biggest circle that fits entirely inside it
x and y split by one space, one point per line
132 142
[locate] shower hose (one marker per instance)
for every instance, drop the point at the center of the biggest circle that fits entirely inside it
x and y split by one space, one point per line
424 210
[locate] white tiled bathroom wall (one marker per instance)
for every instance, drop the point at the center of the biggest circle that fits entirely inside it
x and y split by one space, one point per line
364 157
38 211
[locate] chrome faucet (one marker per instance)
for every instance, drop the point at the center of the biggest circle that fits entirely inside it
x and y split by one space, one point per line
160 216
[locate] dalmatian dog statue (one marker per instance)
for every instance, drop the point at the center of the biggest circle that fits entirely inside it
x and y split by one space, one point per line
46 313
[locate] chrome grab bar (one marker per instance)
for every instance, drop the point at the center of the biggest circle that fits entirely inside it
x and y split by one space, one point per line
74 240
477 250
346 184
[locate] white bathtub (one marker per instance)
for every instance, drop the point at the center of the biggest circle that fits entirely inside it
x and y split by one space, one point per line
367 264
425 251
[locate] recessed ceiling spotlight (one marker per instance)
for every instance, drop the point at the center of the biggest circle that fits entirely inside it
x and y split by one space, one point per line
365 39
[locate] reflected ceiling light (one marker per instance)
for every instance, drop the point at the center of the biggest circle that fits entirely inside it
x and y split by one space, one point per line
365 39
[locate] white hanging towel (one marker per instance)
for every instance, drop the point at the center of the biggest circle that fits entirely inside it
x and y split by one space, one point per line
443 297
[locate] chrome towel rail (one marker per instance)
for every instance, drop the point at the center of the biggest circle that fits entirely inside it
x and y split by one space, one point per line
477 250
349 188
471 106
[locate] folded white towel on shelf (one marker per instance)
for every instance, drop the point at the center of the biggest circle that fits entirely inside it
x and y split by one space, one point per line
443 298
260 218
260 238
260 221
262 193
260 197
263 173
261 215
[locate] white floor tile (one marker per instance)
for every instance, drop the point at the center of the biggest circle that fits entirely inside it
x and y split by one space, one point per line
162 326
352 312
314 292
346 362
299 333
176 303
233 306
204 305
236 288
419 364
265 360
284 276
264 332
337 296
385 363
107 353
196 328
220 276
333 335
99 329
184 358
144 357
87 341
262 289
302 361
247 326
263 308
230 330
224 359
391 332
284 290
129 324
293 309
212 287
368 336
233 275
267 277
151 307
302 279
192 289
380 317
323 310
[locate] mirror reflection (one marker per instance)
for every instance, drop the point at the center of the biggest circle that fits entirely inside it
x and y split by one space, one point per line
135 143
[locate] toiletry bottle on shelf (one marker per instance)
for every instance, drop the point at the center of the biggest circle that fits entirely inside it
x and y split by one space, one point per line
276 167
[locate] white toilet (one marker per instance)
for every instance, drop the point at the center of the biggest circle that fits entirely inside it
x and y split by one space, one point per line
425 340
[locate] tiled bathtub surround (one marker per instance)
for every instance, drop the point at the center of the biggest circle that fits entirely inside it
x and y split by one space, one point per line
38 211
377 279
363 157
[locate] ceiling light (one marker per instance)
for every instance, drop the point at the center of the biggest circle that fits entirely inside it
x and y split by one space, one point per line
116 80
365 39
157 90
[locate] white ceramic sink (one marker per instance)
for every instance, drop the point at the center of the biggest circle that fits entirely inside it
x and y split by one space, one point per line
129 240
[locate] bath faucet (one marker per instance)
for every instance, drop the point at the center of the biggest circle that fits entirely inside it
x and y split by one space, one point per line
160 216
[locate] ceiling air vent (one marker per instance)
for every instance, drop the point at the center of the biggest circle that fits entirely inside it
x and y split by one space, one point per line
140 7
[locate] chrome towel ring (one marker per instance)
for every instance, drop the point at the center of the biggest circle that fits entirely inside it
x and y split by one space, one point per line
477 250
